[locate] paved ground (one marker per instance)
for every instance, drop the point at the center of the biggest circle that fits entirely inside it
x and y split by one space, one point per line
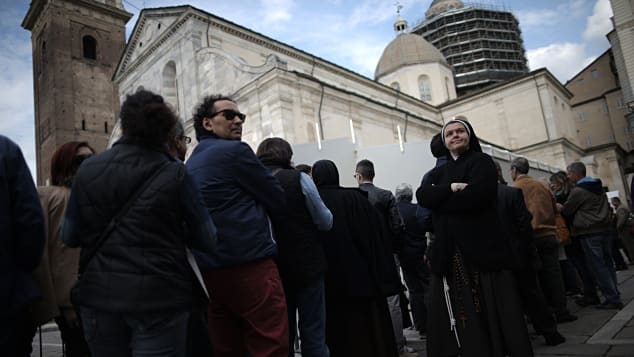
596 332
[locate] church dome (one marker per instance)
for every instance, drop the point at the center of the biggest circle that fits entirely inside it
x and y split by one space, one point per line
440 6
407 49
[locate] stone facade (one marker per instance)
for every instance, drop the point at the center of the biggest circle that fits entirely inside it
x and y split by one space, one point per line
185 54
599 113
289 93
76 46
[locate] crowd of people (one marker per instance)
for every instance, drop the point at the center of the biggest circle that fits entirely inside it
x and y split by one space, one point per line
134 252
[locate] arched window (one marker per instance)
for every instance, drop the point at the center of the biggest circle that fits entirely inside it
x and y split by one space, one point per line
424 88
170 87
395 85
89 45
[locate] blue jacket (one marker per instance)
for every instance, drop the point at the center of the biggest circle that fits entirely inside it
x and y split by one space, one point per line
238 191
21 230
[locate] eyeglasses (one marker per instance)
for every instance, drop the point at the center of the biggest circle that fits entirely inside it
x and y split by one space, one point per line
186 139
230 114
355 175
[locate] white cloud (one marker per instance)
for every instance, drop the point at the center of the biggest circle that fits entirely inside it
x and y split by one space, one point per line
276 11
375 11
564 60
16 85
598 24
551 16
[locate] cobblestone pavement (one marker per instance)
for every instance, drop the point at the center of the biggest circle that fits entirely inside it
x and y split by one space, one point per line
596 333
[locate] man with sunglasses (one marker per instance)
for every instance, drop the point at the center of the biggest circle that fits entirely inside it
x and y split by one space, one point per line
247 311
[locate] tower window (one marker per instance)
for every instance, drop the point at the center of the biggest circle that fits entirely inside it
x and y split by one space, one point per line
83 125
105 127
90 47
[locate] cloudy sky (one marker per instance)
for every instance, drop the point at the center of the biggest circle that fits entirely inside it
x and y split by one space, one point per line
561 35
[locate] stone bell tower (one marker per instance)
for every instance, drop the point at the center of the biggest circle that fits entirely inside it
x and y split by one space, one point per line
76 47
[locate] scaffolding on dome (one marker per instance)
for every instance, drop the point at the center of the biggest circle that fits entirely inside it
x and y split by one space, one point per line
482 42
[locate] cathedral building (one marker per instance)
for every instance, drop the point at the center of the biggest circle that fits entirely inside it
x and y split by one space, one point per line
327 111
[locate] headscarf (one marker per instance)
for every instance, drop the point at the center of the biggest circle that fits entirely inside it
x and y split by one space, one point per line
474 143
325 173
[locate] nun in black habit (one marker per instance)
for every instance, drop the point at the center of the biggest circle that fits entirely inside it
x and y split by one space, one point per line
474 307
361 271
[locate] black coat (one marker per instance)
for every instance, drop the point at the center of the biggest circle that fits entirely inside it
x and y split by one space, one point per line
142 265
385 203
414 240
466 219
515 224
360 261
21 230
300 258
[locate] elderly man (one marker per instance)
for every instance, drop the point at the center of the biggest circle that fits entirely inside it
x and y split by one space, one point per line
588 209
412 253
247 311
21 246
541 204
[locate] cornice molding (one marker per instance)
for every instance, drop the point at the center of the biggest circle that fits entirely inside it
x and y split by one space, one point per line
126 65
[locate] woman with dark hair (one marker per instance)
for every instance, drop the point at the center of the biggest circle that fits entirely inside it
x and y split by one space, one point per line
474 307
301 261
133 209
361 271
57 271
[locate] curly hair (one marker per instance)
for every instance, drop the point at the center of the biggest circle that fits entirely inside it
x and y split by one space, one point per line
146 116
65 163
204 110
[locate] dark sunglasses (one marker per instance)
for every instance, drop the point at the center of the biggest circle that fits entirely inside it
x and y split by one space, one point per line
186 139
230 114
80 158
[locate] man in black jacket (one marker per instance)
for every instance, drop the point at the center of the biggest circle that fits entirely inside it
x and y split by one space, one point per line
385 203
21 244
515 223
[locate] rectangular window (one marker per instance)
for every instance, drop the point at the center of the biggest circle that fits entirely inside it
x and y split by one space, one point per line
588 140
595 73
582 116
619 103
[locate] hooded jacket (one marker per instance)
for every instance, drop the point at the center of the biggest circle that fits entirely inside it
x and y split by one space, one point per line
587 208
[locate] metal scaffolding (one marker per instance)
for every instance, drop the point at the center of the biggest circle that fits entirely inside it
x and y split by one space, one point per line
483 43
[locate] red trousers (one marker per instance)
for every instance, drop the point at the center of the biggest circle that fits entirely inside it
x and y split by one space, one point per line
247 311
